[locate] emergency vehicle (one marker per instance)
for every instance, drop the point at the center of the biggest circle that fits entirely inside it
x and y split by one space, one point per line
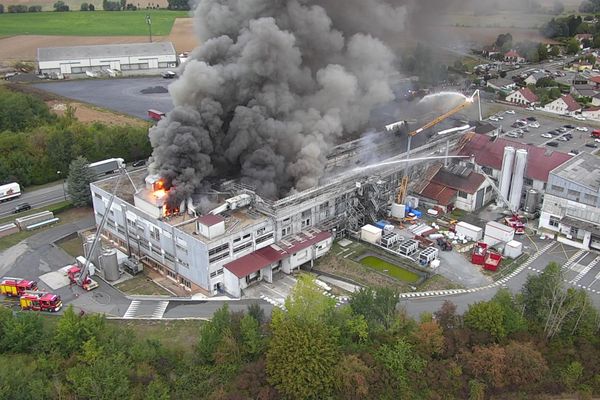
40 301
15 287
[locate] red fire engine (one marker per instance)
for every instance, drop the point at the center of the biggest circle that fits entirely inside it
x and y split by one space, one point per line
16 286
74 272
40 301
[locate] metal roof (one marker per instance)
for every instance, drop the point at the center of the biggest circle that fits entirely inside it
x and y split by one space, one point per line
583 169
105 51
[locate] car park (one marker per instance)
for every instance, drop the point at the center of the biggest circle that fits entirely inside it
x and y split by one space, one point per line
552 144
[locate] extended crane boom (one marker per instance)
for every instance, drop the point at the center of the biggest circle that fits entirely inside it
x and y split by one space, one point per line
468 101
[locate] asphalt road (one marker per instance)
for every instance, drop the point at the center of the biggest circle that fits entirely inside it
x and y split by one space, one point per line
121 95
37 198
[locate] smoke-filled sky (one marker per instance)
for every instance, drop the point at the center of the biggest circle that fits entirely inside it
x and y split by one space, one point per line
274 85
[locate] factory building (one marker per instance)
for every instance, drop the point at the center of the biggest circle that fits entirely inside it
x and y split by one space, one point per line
571 208
127 59
525 167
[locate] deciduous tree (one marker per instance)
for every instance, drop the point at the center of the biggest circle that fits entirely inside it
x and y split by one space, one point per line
486 317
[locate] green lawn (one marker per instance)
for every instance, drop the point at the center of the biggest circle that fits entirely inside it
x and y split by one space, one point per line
141 285
73 245
97 23
390 269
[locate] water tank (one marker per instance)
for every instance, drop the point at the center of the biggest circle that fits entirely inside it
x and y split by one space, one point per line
398 210
517 180
87 247
507 170
110 265
532 200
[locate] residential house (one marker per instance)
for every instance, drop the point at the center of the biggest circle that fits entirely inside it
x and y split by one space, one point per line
596 100
565 105
513 56
490 51
581 37
489 152
534 78
584 90
523 96
457 185
580 79
501 84
595 80
571 207
592 113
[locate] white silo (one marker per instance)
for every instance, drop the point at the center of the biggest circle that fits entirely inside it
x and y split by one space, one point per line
516 190
507 170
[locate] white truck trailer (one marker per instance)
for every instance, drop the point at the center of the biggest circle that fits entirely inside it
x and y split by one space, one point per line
10 191
107 166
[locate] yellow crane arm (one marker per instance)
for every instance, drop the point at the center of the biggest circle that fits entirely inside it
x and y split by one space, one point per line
442 117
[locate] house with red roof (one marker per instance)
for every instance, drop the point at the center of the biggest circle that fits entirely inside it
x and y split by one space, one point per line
513 56
489 152
523 96
584 36
565 105
456 186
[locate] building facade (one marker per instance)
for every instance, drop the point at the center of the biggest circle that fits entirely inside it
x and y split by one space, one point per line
565 105
571 208
523 96
128 59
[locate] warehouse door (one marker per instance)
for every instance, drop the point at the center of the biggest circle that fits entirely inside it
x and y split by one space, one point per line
65 68
479 199
153 63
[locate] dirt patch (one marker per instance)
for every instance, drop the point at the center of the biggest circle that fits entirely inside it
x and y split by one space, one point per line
182 35
85 113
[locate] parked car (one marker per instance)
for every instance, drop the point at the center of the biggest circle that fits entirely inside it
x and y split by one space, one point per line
552 144
531 118
534 125
592 145
546 135
553 133
569 126
569 136
579 117
573 152
512 135
582 129
561 130
510 111
22 207
493 118
169 74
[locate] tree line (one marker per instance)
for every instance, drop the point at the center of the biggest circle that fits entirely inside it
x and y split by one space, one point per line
541 341
36 143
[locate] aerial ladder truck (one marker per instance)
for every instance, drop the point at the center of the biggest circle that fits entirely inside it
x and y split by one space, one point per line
403 189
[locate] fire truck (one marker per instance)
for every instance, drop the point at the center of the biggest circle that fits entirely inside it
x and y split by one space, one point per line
74 274
15 287
40 301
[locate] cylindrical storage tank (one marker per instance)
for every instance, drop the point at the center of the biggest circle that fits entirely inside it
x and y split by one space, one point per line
531 201
87 247
398 210
507 169
110 265
516 188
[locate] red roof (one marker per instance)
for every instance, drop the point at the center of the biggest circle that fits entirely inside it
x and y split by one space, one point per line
210 220
529 95
584 36
255 261
441 194
513 54
595 79
266 256
572 105
468 184
595 108
489 153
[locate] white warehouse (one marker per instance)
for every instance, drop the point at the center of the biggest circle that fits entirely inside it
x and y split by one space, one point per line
129 59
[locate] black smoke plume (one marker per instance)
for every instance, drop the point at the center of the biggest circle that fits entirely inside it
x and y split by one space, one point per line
272 87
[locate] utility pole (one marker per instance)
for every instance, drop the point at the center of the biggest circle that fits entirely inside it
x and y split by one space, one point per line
63 184
149 22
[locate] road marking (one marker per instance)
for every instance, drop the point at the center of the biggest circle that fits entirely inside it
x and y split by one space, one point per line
570 261
584 271
160 309
132 309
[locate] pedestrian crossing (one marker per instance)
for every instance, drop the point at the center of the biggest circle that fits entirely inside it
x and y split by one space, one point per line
146 309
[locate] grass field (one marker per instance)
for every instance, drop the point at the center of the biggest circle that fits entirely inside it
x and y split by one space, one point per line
97 23
141 285
73 246
390 269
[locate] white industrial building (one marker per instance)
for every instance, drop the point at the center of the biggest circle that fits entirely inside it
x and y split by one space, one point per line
571 208
128 59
